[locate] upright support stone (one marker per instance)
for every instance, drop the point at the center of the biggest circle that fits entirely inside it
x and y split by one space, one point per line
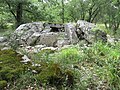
70 29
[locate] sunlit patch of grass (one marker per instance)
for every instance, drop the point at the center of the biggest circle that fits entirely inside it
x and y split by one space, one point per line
103 28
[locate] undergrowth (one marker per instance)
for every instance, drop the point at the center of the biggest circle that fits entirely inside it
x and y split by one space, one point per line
15 75
96 67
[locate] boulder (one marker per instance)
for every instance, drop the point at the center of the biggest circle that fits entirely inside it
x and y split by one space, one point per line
88 32
63 42
35 33
35 27
48 39
49 48
84 30
3 39
33 38
70 33
85 26
3 42
25 32
5 48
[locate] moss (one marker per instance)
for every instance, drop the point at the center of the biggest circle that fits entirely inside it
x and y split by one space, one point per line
4 73
10 66
3 84
52 70
55 75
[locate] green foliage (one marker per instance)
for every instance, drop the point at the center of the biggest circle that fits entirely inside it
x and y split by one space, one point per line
99 11
54 75
14 44
43 55
103 61
3 84
25 75
100 50
10 65
101 27
25 80
68 56
94 67
75 68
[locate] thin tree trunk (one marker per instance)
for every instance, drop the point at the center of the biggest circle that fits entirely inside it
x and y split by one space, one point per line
94 15
63 11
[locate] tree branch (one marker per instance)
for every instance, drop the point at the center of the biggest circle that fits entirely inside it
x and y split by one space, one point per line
28 11
10 9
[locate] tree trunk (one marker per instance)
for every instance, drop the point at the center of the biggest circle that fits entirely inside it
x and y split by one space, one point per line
106 26
116 26
90 17
63 11
19 11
